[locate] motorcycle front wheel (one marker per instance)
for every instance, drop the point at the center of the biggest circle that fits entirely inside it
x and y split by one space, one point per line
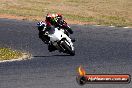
68 48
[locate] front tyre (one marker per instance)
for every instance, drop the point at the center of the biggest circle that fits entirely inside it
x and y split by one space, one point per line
68 49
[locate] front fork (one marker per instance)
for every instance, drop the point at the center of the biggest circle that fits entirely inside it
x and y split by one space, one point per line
69 43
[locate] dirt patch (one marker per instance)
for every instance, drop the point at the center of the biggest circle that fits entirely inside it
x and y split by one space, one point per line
102 12
40 18
11 16
78 22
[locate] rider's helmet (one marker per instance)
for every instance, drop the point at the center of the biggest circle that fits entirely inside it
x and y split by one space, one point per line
48 17
51 18
59 18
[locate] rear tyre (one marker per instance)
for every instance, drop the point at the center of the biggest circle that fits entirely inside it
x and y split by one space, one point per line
68 49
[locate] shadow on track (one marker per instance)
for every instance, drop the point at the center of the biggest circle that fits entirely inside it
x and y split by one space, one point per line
53 56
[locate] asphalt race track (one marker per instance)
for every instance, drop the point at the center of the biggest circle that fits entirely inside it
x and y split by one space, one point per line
101 50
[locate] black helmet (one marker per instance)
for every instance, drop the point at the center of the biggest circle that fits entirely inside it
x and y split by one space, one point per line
48 17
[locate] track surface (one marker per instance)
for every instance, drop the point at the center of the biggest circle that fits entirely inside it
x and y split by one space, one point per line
98 49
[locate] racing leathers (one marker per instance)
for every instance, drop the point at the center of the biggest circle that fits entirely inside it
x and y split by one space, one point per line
45 26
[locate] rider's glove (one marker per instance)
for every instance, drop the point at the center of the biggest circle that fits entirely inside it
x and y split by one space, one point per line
69 30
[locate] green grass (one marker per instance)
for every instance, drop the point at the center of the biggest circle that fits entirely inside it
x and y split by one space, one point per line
7 54
104 12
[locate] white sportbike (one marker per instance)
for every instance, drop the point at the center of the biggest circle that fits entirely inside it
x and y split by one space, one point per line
61 41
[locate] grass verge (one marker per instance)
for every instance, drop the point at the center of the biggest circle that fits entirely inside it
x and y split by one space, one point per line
9 54
102 12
